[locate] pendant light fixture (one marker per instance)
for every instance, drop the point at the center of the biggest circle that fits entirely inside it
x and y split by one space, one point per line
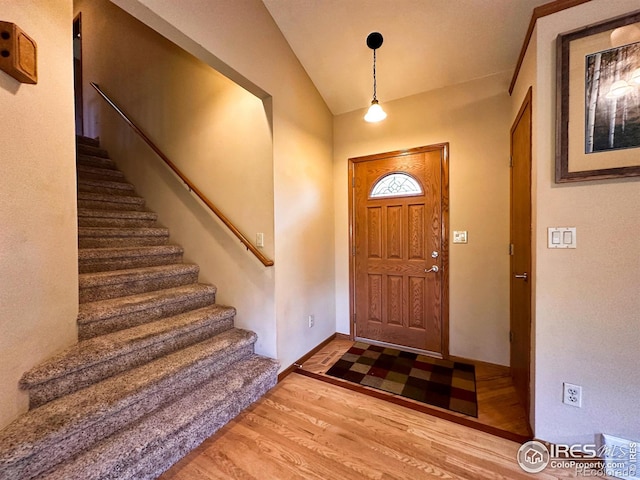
375 112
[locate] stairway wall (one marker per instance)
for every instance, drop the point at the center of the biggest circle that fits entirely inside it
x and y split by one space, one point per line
38 235
215 131
241 39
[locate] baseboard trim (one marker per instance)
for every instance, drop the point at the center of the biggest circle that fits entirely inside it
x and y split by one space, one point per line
298 363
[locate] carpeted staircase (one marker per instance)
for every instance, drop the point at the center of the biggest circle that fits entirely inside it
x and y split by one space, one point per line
159 366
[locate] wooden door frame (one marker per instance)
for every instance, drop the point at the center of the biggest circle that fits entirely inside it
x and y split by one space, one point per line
444 232
526 102
78 109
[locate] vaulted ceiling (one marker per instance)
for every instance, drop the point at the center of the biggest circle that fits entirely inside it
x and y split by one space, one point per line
428 44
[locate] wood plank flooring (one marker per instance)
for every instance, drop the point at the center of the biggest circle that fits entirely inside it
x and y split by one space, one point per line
498 405
308 429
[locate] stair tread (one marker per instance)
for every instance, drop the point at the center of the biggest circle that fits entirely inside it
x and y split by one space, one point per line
44 427
134 214
85 169
177 427
88 353
94 311
87 280
88 159
92 182
94 142
83 148
123 232
125 252
105 197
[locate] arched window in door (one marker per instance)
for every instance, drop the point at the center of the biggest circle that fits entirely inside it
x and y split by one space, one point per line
396 184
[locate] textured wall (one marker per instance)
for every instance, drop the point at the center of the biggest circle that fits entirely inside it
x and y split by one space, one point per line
38 236
587 320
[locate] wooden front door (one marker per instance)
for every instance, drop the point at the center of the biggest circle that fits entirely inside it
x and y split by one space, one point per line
520 283
400 249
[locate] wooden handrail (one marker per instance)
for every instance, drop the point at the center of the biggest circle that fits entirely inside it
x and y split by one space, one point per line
265 261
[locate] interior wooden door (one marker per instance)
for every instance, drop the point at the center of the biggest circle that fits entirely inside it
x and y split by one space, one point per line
520 283
399 246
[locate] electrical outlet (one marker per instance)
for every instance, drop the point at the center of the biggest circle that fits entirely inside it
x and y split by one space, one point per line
572 395
312 320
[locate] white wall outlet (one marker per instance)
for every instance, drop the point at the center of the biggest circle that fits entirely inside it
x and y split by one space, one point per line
572 395
259 239
312 320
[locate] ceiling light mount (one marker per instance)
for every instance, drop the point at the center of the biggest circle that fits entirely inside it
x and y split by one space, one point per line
375 112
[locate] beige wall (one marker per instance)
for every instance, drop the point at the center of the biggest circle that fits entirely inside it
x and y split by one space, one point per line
38 236
473 118
587 306
216 132
240 39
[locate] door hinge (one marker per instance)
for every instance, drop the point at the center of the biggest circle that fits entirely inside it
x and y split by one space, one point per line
511 249
353 180
511 161
353 250
510 337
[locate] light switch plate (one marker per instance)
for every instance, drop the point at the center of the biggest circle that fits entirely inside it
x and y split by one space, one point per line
260 240
459 236
561 237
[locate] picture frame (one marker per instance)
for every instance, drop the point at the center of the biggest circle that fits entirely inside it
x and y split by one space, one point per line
597 122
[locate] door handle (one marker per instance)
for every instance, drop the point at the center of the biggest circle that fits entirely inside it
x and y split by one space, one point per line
524 276
432 269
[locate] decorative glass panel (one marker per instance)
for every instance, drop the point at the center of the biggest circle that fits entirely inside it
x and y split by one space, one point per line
396 185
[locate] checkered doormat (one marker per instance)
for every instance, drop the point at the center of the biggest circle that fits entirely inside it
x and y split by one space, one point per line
442 383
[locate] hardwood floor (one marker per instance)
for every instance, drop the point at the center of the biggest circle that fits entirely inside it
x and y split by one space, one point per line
498 407
308 429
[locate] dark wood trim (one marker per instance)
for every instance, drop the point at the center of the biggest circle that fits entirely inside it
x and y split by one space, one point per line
444 226
539 12
423 408
527 103
444 232
190 185
298 363
77 78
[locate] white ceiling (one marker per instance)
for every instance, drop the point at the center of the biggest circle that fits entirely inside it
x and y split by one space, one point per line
428 44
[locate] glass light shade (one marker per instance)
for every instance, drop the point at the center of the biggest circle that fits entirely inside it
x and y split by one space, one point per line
635 76
618 89
375 113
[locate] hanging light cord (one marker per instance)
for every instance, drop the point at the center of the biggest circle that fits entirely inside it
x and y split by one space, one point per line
374 75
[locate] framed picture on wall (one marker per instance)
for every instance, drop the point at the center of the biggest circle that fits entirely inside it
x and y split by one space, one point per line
598 101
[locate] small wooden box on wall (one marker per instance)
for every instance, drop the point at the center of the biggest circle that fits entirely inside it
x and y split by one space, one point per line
18 53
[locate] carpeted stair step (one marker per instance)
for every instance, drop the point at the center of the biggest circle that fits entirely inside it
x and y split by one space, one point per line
94 142
148 448
93 161
108 259
97 201
59 430
102 237
120 283
84 149
105 186
91 361
116 218
106 316
99 173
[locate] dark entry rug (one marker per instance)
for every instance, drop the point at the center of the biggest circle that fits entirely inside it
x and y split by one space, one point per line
442 383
